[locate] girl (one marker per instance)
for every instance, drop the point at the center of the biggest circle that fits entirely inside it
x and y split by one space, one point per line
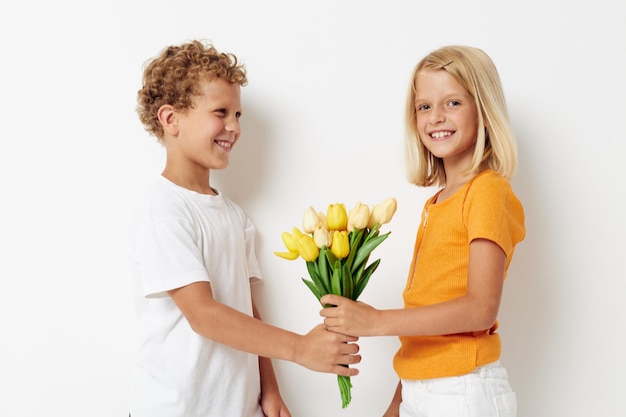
460 139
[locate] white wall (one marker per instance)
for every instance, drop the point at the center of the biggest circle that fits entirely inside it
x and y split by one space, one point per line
323 123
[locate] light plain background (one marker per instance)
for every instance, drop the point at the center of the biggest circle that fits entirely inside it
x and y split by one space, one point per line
323 123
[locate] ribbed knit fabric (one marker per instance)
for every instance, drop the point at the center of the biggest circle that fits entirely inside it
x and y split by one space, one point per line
487 208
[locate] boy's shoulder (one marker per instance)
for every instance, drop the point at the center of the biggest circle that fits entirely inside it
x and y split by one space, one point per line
162 199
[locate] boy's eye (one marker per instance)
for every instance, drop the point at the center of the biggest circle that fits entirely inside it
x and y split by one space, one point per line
238 114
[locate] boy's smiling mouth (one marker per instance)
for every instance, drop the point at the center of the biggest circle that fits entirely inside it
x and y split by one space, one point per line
225 144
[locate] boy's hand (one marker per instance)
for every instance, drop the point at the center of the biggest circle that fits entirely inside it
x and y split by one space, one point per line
348 317
274 406
324 351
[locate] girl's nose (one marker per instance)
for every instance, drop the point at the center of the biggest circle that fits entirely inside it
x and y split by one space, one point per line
436 115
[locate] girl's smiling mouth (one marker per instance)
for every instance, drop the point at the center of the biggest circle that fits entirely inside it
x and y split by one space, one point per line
442 134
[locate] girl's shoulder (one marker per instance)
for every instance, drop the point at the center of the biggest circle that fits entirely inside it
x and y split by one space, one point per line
489 176
491 188
489 181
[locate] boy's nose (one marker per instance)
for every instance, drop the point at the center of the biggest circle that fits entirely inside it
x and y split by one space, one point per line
233 126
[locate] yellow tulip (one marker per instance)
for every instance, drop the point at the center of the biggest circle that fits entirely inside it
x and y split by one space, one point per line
310 220
290 256
322 236
322 217
307 247
358 217
289 242
383 212
337 217
340 246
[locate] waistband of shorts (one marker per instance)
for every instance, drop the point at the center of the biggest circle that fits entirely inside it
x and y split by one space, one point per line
490 370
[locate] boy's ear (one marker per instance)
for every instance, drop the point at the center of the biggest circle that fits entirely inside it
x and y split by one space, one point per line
169 119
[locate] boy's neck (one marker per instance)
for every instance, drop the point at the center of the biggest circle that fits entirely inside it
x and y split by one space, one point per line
199 184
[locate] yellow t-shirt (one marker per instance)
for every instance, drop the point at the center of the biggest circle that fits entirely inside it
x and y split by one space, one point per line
487 208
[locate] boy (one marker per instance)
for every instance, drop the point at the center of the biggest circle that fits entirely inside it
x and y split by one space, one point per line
203 349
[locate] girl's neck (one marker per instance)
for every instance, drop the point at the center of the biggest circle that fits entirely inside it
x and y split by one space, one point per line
453 184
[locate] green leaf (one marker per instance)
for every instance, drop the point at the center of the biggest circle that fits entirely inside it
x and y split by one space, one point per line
313 288
335 279
348 285
314 272
355 242
323 268
364 251
359 286
359 273
315 277
331 258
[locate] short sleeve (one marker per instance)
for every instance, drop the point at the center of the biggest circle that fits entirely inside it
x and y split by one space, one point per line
493 212
170 257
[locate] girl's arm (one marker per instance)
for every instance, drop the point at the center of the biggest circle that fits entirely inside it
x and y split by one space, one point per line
394 408
474 311
318 350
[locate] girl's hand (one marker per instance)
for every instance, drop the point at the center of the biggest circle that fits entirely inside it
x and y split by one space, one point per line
392 412
349 317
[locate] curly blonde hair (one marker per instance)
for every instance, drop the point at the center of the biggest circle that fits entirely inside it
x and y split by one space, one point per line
496 145
174 78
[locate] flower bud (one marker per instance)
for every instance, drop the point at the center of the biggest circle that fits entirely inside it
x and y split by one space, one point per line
383 212
310 220
322 217
307 247
340 246
322 236
290 256
296 233
289 242
358 217
337 218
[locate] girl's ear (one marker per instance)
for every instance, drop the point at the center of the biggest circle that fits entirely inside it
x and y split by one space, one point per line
169 119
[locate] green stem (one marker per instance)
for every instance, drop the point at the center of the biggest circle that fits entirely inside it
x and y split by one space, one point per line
345 386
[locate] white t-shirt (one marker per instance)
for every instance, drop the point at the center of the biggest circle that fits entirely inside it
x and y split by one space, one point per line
180 237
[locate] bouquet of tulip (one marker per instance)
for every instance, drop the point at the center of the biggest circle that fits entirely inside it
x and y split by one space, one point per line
336 248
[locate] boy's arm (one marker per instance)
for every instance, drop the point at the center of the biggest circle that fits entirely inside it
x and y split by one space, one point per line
271 400
318 350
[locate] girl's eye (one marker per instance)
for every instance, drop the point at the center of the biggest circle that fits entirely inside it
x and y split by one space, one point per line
454 103
421 107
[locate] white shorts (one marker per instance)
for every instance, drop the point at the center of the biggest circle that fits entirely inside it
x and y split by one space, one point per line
485 392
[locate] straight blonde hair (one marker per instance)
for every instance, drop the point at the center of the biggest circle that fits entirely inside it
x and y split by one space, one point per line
496 145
